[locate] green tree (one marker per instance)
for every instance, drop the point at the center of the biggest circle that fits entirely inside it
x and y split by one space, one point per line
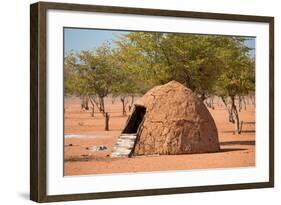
236 79
74 82
90 75
189 59
98 70
209 65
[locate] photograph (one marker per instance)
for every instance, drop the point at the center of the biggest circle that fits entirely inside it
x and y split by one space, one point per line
129 101
140 102
143 101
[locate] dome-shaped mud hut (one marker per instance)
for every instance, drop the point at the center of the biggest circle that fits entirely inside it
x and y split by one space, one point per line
169 119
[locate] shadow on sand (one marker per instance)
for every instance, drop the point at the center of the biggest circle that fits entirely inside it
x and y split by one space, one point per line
238 143
243 131
231 150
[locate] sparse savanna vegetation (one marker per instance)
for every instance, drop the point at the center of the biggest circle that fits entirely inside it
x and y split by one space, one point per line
214 67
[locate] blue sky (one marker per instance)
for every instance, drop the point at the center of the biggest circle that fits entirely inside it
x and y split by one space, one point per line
89 39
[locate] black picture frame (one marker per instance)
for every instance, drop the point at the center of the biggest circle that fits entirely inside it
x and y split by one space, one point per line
38 101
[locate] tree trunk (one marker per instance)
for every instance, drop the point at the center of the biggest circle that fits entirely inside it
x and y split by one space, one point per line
212 102
123 106
93 107
84 103
240 103
248 102
132 102
106 118
230 114
244 102
252 99
87 103
97 103
236 115
93 110
102 109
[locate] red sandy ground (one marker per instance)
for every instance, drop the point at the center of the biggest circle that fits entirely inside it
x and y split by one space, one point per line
236 150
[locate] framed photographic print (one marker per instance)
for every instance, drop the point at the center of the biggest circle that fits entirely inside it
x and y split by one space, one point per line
134 102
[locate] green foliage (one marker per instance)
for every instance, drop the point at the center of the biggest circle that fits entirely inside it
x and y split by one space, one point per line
73 82
201 62
237 76
207 64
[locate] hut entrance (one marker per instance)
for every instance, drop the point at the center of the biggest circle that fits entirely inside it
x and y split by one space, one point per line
135 120
126 141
